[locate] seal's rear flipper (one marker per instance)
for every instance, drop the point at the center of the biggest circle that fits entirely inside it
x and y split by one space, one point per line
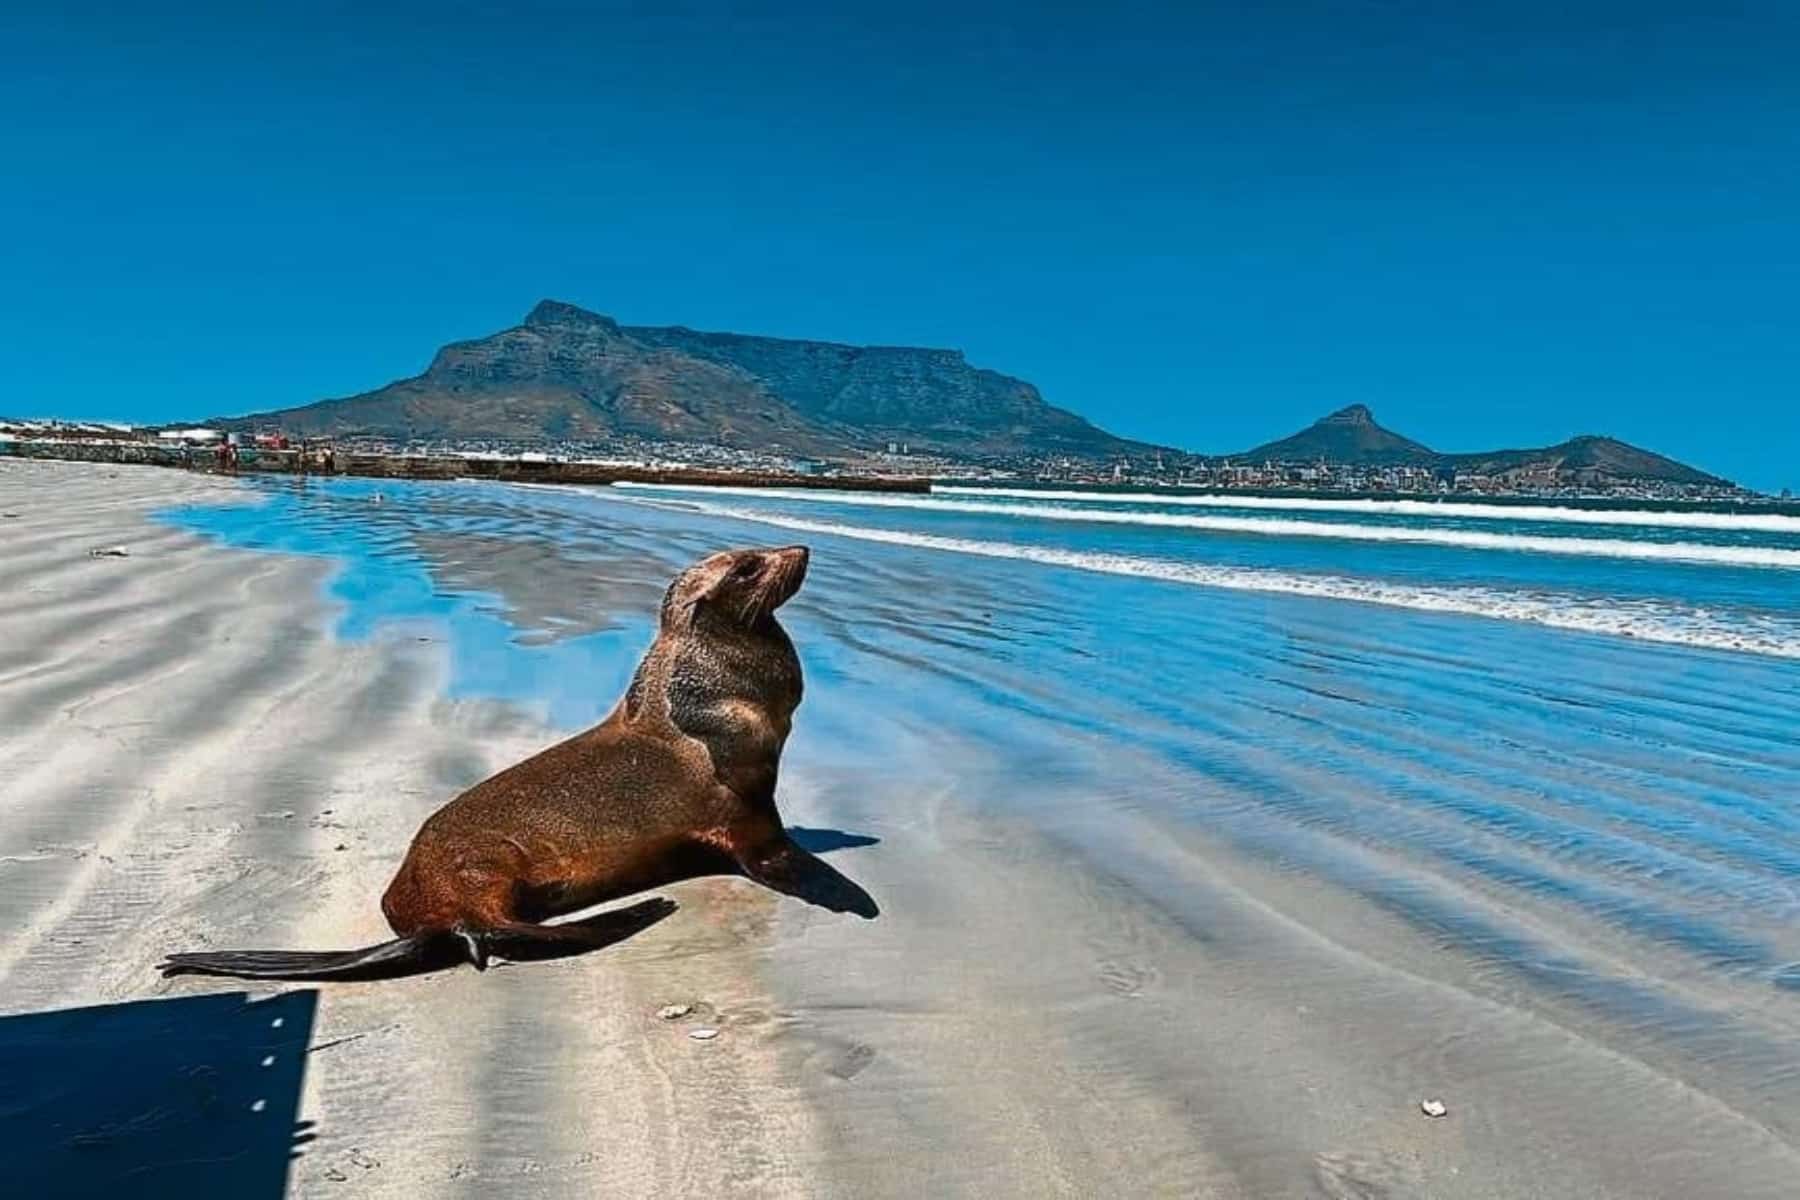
523 942
795 872
403 956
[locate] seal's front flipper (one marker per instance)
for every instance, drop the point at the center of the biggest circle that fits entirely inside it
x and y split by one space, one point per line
795 872
525 942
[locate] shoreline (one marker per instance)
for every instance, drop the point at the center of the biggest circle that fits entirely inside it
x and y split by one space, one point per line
358 464
363 464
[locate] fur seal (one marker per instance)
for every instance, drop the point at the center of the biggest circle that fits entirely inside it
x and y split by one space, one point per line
677 781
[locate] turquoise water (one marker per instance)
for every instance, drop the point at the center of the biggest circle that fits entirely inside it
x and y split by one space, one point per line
1572 767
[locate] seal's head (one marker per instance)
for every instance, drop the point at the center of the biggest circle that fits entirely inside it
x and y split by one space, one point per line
737 587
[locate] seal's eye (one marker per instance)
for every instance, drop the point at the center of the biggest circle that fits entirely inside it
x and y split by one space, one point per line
745 569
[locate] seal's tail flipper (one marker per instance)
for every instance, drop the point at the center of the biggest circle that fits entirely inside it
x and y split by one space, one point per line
403 956
799 873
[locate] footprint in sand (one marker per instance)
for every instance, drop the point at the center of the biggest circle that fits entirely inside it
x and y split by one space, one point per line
840 1059
850 1060
1128 979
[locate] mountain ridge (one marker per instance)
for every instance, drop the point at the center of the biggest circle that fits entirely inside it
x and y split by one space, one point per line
566 373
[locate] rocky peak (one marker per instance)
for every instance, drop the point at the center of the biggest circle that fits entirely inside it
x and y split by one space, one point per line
557 314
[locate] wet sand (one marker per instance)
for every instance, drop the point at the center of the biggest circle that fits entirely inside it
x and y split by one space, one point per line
1076 995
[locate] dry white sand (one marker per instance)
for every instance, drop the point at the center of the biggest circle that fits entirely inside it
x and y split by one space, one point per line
1086 1005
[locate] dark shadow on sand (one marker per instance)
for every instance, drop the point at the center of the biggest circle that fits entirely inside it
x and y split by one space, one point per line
824 841
195 1095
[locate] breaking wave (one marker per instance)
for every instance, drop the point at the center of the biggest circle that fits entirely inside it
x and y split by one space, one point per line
1469 539
1739 522
1645 620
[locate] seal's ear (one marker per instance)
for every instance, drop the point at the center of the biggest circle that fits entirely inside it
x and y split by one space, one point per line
701 593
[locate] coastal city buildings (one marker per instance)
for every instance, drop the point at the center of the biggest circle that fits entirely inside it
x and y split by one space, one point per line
893 460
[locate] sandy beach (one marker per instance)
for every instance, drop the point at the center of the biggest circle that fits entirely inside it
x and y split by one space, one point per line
175 780
1063 996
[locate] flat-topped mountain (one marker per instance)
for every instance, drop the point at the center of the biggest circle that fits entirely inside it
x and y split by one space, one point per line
1353 436
569 374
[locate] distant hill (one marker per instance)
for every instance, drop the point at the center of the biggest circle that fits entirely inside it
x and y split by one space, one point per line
1353 436
569 374
1349 435
1586 454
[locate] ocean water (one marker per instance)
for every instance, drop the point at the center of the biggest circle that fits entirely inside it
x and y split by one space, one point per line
1550 752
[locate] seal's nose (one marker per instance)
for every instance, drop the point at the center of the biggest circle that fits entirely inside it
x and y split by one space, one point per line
793 561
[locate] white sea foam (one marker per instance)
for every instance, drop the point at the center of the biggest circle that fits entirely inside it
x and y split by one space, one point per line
1468 539
1653 621
1637 518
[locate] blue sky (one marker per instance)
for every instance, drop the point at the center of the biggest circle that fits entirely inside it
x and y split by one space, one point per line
1205 224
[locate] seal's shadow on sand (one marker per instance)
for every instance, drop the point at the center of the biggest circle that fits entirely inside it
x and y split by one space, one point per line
195 1095
824 841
